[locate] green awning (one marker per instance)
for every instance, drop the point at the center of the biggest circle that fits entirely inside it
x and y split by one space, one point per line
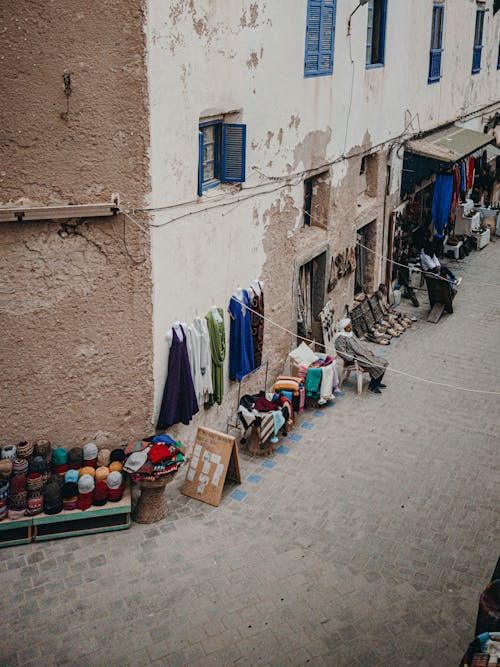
450 144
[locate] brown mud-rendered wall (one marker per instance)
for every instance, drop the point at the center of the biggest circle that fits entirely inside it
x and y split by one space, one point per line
75 296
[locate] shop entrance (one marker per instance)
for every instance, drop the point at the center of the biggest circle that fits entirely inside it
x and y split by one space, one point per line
365 260
311 297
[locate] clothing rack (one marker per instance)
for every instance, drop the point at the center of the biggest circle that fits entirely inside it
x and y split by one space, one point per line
265 364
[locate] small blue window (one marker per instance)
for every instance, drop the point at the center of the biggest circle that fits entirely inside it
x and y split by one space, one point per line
222 154
320 37
478 41
436 44
375 34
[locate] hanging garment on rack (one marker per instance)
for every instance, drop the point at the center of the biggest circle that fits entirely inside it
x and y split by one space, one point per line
240 338
463 176
200 358
217 335
179 402
257 323
470 173
441 202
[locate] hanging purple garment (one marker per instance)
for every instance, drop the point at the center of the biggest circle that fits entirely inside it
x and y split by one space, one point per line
241 360
179 402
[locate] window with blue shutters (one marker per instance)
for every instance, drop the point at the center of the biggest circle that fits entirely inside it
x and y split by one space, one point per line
375 33
478 41
498 60
222 153
436 44
320 37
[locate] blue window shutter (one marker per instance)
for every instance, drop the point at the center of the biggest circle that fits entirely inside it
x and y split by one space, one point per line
233 153
436 44
200 163
320 37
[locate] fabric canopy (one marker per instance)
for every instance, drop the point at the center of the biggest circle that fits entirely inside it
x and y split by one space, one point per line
450 144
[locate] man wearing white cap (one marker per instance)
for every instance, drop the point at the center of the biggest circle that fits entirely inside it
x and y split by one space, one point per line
350 349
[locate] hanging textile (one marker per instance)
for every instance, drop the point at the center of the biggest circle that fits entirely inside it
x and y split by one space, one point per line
441 202
463 177
470 173
240 337
257 323
179 402
198 342
217 336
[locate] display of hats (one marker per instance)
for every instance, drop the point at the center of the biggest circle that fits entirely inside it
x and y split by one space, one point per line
116 466
114 480
38 464
75 458
59 456
101 473
86 484
24 449
100 494
43 448
52 497
72 476
5 468
87 470
103 457
20 466
35 503
9 452
117 455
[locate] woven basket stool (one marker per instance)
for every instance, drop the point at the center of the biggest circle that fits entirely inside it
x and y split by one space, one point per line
152 505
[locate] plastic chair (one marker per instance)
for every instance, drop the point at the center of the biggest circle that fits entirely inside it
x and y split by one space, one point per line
353 368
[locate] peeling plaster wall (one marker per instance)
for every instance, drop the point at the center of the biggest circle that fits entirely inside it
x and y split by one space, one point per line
75 325
237 57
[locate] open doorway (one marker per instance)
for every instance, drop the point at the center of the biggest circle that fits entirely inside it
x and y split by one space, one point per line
311 297
365 258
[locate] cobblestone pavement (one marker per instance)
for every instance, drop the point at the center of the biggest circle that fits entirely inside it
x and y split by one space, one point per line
364 541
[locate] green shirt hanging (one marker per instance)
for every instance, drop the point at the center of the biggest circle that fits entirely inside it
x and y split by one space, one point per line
217 333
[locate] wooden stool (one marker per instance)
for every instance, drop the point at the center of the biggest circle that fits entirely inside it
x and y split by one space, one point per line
152 505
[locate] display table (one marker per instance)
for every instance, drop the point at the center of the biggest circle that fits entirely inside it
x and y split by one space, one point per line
455 249
465 224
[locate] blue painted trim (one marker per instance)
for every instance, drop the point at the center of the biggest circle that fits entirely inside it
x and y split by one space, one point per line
309 73
375 66
237 156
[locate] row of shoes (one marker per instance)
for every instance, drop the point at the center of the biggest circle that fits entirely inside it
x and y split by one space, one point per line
392 327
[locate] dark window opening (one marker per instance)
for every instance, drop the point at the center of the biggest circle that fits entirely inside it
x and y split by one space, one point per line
375 39
317 200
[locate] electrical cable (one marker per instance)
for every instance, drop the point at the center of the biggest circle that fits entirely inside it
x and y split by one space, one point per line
392 370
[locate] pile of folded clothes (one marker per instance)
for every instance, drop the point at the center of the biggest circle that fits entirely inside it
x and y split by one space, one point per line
153 457
268 413
35 478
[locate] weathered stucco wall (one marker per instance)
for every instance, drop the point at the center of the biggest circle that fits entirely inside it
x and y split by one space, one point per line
75 296
220 57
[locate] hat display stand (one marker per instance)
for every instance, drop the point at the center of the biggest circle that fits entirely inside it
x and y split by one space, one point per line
152 505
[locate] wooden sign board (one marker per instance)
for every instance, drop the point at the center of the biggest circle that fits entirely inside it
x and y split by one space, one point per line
213 459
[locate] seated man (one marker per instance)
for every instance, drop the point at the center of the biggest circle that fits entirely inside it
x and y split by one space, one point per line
350 349
429 262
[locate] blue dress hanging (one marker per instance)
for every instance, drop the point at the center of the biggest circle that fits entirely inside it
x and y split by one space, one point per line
241 358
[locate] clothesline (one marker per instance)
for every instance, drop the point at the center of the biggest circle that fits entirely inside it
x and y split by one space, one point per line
392 370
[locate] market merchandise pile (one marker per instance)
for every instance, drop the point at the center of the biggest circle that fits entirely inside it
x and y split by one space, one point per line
153 457
36 478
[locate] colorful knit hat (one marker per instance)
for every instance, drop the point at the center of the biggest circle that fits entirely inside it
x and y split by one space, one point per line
86 484
35 503
43 448
70 496
52 498
90 454
8 452
103 457
84 500
5 468
24 449
59 456
18 484
57 479
34 482
75 458
117 455
101 474
116 466
20 466
71 476
4 489
38 464
100 495
114 480
115 495
87 470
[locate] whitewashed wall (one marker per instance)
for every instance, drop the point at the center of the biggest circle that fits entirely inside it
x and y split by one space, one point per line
247 56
